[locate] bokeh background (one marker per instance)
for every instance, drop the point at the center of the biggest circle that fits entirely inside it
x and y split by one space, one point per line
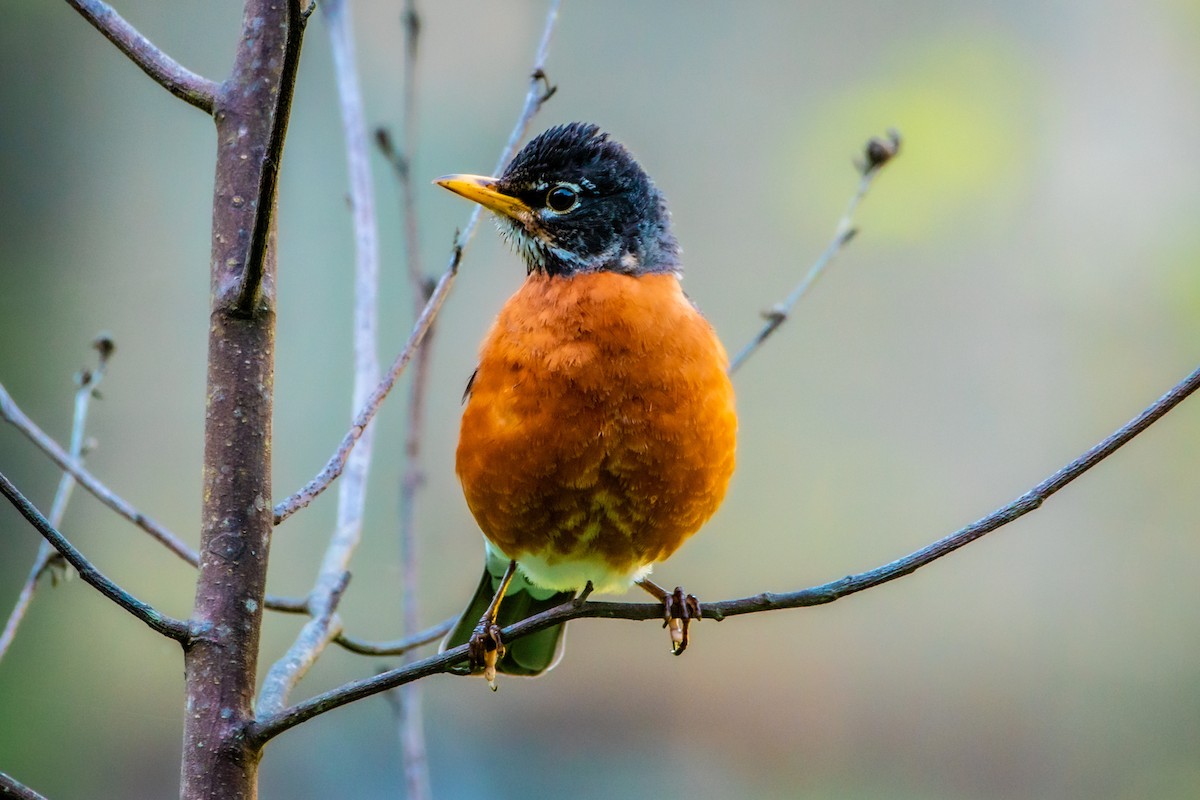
1025 281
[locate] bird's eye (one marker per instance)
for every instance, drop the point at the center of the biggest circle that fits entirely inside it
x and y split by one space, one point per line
562 199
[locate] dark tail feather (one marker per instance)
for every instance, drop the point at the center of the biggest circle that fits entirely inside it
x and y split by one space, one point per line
531 655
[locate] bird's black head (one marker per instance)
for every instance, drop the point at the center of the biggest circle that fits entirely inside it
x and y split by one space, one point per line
575 201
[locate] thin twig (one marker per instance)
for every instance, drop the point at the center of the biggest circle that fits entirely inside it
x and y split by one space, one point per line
300 657
16 417
410 722
87 380
11 787
266 728
157 621
323 600
337 462
876 153
534 99
193 89
397 647
12 413
408 152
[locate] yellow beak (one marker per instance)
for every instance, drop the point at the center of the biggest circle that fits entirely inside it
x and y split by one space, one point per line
481 189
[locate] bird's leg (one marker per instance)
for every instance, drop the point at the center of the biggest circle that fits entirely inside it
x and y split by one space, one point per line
679 610
486 647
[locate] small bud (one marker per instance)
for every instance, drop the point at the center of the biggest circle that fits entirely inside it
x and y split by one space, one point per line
880 151
383 138
104 345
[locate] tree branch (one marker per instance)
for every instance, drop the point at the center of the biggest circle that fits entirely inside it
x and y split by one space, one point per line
161 623
87 381
876 154
534 98
12 414
352 490
193 89
410 722
11 787
221 667
17 418
398 647
263 167
269 727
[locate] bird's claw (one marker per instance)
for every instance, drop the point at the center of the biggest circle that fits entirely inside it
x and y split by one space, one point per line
679 610
484 649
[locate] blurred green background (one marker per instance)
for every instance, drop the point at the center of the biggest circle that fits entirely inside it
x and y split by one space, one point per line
1025 281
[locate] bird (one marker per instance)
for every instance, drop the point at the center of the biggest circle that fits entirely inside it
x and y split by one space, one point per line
599 428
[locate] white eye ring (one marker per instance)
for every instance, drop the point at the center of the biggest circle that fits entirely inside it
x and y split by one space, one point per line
562 198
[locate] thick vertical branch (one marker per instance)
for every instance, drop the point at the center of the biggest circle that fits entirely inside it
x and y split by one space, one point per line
251 113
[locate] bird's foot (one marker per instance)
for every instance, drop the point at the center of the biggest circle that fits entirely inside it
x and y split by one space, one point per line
679 610
485 648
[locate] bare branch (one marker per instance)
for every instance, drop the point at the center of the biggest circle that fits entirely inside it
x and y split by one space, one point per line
266 728
11 787
534 99
193 89
221 666
265 170
399 646
409 722
287 605
540 90
408 702
304 652
352 490
167 626
876 153
87 381
13 415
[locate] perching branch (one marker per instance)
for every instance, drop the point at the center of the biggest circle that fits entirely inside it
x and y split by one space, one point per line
352 490
11 787
267 728
534 99
193 89
876 154
157 621
87 381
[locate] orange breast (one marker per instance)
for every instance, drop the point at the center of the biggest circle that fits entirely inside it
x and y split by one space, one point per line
600 427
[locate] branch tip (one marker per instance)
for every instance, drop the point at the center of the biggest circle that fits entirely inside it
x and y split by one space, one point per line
104 345
880 151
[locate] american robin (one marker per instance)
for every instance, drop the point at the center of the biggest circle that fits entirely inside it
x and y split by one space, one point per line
599 428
